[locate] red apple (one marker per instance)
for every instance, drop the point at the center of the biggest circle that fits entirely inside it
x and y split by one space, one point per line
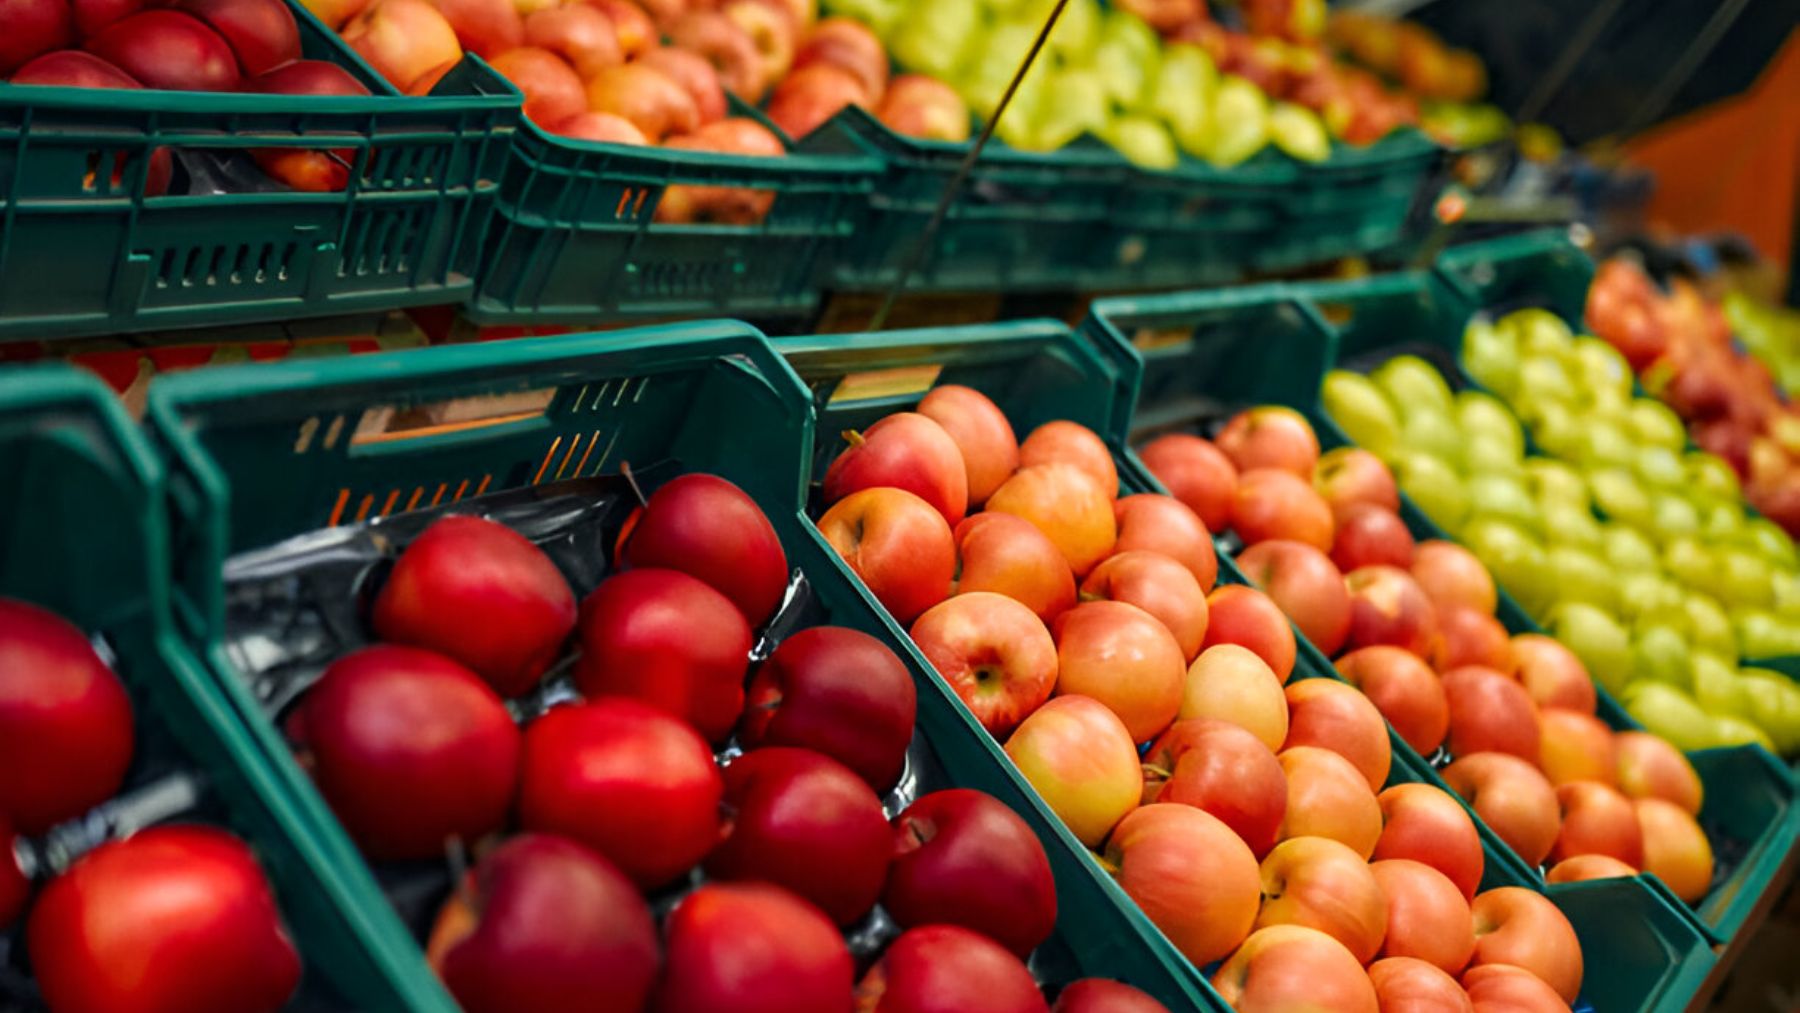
1676 850
1321 884
168 49
1334 716
946 968
553 91
1422 823
1158 585
1597 820
1410 985
1523 928
840 692
488 28
708 528
1387 607
802 820
653 101
1193 878
628 781
303 169
545 924
482 595
1451 575
1469 637
1270 437
751 948
65 721
805 99
1008 555
170 918
1502 988
849 44
897 544
1551 673
74 69
1512 798
1490 713
961 857
1071 443
1244 616
906 451
262 33
980 430
1351 476
722 205
33 28
1308 586
665 638
1649 767
1576 747
1232 684
1292 967
1222 769
1370 536
1585 867
406 41
636 32
1271 503
1067 505
1404 689
924 107
580 34
1101 995
1427 915
1328 797
993 652
1195 472
410 749
1081 760
604 128
1125 658
773 33
694 74
725 45
1157 523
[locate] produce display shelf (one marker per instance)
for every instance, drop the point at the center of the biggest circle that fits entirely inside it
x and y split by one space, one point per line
1198 365
83 251
1644 950
85 535
262 453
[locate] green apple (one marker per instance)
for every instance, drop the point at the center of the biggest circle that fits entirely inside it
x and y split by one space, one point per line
1597 639
990 70
1766 537
1362 411
1299 132
1659 467
1763 634
1485 416
1746 579
1540 332
1655 424
1181 94
1668 712
1238 122
1647 596
1715 685
1544 378
1673 517
1505 498
1775 707
1568 524
1485 453
1629 551
1491 357
936 36
1709 628
1660 651
1553 481
1604 445
1074 104
1144 142
1430 431
1621 497
1599 366
1582 576
1711 475
1731 731
1434 487
1517 561
1413 384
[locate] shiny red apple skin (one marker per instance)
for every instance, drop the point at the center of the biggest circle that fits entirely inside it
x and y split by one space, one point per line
948 969
1160 586
1388 607
1369 535
1157 523
1242 615
33 28
73 68
1008 555
840 692
802 820
1410 985
1272 503
303 169
1270 436
1103 995
628 781
751 948
1427 915
907 451
1404 689
982 433
410 749
897 544
554 928
1424 823
171 918
709 528
481 594
1222 769
65 721
993 652
1307 585
669 640
262 33
168 49
1195 472
1490 713
961 857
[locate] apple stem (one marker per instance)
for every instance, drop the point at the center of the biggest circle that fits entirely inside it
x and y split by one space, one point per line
1156 771
852 437
631 480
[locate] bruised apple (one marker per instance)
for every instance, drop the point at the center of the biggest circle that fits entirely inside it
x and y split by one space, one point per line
1125 658
907 451
1244 616
752 948
1158 585
1157 523
1008 555
1334 716
994 653
1193 878
706 527
1307 586
481 594
169 49
1328 797
1224 770
898 545
980 430
1195 472
1067 505
1422 823
962 857
693 74
1071 443
1078 755
1404 689
838 691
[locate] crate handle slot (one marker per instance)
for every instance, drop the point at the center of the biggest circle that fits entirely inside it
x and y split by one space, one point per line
885 383
391 424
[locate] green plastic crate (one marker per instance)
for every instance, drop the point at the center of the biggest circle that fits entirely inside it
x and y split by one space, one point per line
1039 371
574 235
83 251
1200 363
83 533
264 452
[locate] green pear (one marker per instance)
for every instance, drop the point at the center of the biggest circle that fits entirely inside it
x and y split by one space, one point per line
1764 634
1504 498
1732 731
1655 424
1605 445
1487 454
1659 651
1786 589
1746 580
1715 685
1480 414
1434 487
1543 377
1708 626
1362 411
1127 57
1144 142
1599 366
1673 517
1720 522
1766 537
1659 467
880 15
1077 32
1556 425
1582 576
1239 122
1621 497
1181 94
936 36
1540 332
1568 524
1554 481
1517 561
1666 711
1491 357
1430 431
1711 475
990 70
1413 384
1774 701
1074 104
1299 132
1597 639
1648 596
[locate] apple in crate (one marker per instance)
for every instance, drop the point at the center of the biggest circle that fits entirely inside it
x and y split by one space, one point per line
1307 585
1125 658
727 46
604 128
1334 716
578 33
1271 503
848 44
1010 556
962 857
262 33
1102 995
1250 619
898 545
1321 884
694 75
948 967
805 99
169 49
1081 760
33 28
1155 523
1068 505
721 205
406 41
840 692
1158 585
1524 929
1423 823
907 451
1071 443
705 526
1408 983
1291 967
1220 768
488 28
752 948
1196 472
637 33
984 437
1512 798
309 171
1328 797
1191 876
1427 915
553 92
1404 689
994 653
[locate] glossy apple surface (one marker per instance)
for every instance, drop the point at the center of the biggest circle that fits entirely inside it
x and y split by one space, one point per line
1073 510
1512 798
1585 867
1523 928
1410 985
907 451
168 49
1427 915
1271 503
1008 555
1307 585
1195 472
838 691
1491 713
653 101
1224 770
1242 615
947 967
961 857
1676 849
1232 684
1422 823
1071 443
34 27
407 41
1102 995
1597 820
1334 716
1469 637
1125 658
1576 747
1649 767
1191 875
262 33
994 652
980 430
1404 689
897 544
1552 674
1158 585
1077 754
1270 437
1322 884
1328 797
1388 607
1369 535
1502 988
1292 967
1451 575
751 948
1351 476
1155 523
709 528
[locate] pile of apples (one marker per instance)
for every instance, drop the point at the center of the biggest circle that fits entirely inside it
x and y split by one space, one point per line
176 916
1680 343
190 45
618 798
1075 627
1662 596
1413 627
